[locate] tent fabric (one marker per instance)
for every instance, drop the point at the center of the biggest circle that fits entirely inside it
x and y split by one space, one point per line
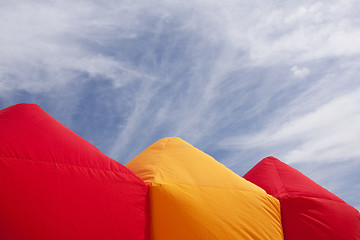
308 210
192 196
56 185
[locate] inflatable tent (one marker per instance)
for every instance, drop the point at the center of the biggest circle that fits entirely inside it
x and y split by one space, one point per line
308 211
192 196
56 185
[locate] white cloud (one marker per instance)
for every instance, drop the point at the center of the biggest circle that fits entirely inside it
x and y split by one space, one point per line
53 37
329 133
47 45
294 33
300 72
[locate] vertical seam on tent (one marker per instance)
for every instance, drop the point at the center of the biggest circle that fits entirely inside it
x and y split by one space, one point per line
160 158
282 183
278 198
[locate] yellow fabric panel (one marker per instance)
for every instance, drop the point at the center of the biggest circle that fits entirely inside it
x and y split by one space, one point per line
192 196
172 160
191 212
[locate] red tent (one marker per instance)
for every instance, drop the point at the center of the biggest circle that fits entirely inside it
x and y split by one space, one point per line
308 211
56 185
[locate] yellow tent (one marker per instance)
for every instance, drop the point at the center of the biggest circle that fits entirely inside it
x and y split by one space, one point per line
192 196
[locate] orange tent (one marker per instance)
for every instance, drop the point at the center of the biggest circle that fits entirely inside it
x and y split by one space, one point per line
192 196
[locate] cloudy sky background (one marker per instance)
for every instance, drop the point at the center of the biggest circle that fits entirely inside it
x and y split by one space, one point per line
240 80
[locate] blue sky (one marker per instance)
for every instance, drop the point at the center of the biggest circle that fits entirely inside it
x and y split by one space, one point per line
240 80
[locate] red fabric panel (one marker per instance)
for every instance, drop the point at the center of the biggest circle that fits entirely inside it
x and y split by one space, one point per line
316 218
308 210
55 185
27 132
281 180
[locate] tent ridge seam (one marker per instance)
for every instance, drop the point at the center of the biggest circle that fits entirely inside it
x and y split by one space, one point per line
66 164
204 186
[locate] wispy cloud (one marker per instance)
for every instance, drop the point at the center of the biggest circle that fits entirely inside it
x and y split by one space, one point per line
46 45
329 133
312 31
